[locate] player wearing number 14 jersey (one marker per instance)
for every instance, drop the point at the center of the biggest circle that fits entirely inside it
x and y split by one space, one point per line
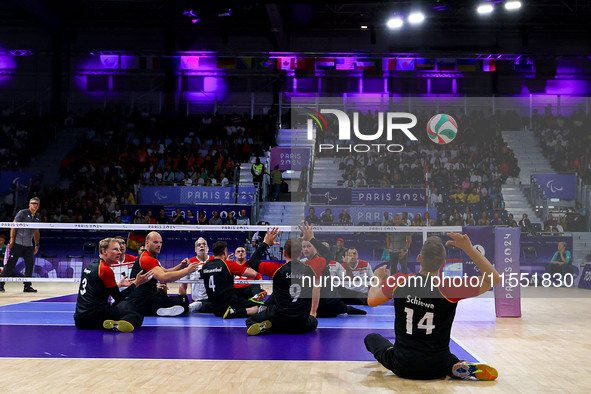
425 309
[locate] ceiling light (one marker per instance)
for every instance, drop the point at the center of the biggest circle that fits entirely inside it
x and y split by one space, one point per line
512 5
485 9
395 23
416 17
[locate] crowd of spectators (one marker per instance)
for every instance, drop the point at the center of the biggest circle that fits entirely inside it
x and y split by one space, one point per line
125 149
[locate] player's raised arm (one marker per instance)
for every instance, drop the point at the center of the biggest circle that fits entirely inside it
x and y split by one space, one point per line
490 276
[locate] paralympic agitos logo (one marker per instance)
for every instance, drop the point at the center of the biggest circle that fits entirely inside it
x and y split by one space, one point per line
441 129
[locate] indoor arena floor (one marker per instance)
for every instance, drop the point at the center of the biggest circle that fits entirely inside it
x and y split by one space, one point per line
547 349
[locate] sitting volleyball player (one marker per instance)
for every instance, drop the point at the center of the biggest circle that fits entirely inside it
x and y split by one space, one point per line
425 310
295 290
93 310
148 299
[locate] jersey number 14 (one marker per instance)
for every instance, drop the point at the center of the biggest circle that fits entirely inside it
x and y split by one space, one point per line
426 323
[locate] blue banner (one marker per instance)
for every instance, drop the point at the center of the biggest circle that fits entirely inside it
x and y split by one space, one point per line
20 178
370 214
368 196
246 194
170 210
508 292
559 186
482 239
160 195
330 195
186 194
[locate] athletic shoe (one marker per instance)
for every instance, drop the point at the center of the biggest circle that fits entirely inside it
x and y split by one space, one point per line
195 306
29 289
351 310
466 370
260 297
230 313
171 311
259 328
118 325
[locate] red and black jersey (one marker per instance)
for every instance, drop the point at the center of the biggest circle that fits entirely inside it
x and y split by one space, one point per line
424 314
218 278
145 262
124 267
292 283
238 277
96 285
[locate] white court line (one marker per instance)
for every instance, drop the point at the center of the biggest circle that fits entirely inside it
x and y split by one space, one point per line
188 359
466 348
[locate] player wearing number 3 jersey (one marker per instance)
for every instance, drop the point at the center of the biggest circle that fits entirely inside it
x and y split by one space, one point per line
425 313
295 298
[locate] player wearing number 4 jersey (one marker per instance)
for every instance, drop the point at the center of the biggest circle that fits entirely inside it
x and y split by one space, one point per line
425 313
93 310
218 277
295 295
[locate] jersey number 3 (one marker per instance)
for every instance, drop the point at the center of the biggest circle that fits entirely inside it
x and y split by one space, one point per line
84 283
426 323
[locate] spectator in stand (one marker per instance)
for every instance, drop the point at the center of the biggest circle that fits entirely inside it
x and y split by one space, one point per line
190 217
435 197
162 218
243 220
216 220
344 217
202 220
303 182
511 222
230 219
473 197
526 226
418 221
499 203
312 218
178 217
387 221
276 179
149 218
497 220
561 262
427 219
138 218
484 220
327 217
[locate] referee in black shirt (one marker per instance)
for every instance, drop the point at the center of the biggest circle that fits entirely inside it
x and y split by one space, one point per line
21 244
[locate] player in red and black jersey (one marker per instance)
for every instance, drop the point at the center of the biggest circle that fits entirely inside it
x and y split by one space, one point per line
425 310
244 289
295 292
218 277
149 300
316 256
93 310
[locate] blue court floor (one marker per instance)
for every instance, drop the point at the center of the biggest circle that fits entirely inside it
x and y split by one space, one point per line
45 329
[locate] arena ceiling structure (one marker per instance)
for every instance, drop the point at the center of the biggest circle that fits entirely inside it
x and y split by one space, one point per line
541 27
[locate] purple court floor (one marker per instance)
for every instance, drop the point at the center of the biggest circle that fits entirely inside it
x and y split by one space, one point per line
45 329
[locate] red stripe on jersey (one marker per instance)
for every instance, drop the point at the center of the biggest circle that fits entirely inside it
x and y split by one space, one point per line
269 268
234 267
317 264
391 283
238 277
147 262
106 275
129 258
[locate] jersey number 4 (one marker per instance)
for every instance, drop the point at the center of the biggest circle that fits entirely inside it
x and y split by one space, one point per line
426 323
211 284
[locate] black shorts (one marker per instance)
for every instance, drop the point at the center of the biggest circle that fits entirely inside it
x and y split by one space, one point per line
284 324
232 299
94 320
147 304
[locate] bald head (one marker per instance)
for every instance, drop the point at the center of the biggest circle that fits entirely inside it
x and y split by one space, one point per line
153 243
